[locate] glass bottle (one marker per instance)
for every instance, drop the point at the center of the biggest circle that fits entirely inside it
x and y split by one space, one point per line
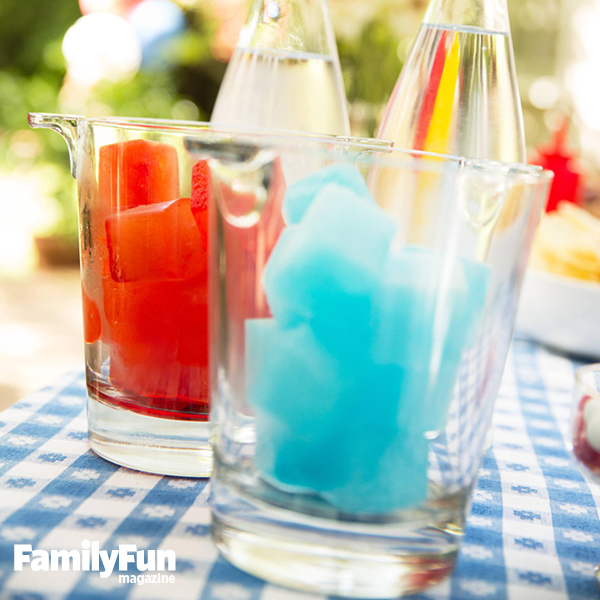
285 72
457 93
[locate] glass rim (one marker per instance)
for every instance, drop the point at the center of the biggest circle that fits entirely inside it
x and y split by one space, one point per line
190 127
361 143
582 385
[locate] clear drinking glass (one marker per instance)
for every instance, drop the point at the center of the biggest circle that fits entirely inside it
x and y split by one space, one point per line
143 213
357 357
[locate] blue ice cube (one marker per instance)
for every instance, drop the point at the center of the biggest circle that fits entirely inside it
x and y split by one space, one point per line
297 457
332 427
326 268
294 387
356 466
289 374
388 472
384 462
300 195
428 307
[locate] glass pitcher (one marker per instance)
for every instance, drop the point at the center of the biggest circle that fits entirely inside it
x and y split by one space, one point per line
143 214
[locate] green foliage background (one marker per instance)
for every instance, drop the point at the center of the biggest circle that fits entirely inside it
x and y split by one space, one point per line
32 70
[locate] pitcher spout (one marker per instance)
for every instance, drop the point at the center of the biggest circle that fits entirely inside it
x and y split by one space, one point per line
66 125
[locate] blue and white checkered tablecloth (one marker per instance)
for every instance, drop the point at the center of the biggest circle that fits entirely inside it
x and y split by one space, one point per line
533 532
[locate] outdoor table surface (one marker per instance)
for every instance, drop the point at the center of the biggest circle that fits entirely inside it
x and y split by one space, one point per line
533 532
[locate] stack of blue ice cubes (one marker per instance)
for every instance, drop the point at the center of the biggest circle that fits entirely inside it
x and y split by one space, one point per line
361 356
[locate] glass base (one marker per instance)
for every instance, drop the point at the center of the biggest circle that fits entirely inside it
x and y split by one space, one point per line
349 559
149 444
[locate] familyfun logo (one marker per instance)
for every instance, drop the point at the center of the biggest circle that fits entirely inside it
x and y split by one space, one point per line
91 558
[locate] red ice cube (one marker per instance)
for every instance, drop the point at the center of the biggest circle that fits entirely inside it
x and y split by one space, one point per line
200 197
136 173
155 242
159 337
92 324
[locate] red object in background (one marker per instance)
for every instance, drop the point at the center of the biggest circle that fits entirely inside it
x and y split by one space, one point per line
567 178
247 248
581 447
117 7
257 240
155 242
137 173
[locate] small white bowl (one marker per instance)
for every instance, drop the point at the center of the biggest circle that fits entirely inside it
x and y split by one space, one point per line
561 312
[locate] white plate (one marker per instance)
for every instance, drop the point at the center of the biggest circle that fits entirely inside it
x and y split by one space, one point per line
561 312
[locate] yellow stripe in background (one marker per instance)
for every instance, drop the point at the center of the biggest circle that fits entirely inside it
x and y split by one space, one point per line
438 138
438 141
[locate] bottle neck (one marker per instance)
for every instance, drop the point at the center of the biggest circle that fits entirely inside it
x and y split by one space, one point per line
290 25
491 15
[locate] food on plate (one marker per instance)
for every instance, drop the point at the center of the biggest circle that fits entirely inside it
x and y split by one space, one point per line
568 243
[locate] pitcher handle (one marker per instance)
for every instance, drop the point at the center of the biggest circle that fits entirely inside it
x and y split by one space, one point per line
65 125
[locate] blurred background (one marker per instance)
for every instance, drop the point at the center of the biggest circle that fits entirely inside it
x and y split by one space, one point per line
166 58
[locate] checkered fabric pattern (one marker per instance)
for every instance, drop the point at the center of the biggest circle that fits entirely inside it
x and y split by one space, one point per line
533 532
